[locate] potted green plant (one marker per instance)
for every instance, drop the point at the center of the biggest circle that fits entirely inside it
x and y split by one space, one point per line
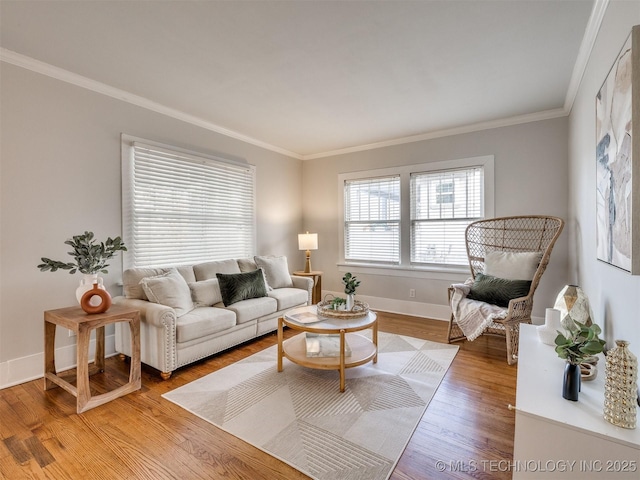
350 284
90 258
576 345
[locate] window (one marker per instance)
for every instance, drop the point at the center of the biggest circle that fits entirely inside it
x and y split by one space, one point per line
442 205
183 207
372 219
415 216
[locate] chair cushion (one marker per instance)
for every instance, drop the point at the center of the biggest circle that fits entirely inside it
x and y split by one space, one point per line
203 321
206 293
289 297
512 265
253 308
236 287
276 270
497 291
170 289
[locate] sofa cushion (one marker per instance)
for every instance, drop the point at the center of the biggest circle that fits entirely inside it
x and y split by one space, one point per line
170 289
512 265
253 308
236 287
203 321
247 264
131 281
289 297
276 270
206 293
205 271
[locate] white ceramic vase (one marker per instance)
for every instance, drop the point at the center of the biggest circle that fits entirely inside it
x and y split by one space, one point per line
548 332
350 301
86 284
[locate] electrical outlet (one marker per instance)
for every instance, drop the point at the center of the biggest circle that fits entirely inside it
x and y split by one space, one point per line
412 293
71 333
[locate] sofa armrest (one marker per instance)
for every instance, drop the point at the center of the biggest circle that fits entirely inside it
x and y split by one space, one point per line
304 283
157 334
151 313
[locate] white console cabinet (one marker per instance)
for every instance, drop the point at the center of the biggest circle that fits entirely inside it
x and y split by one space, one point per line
557 438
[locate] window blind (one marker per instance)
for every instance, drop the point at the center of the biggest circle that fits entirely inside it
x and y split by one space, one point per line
180 208
443 203
372 220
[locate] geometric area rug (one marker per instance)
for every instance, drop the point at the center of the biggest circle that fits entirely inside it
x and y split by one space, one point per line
300 417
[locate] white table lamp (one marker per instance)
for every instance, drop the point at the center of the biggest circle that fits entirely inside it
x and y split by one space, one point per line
308 241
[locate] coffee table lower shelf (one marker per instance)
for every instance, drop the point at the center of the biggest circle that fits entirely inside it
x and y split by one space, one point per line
363 350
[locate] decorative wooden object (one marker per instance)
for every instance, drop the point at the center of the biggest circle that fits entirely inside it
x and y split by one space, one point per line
363 350
76 320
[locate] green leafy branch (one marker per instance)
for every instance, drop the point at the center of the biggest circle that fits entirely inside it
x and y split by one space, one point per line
579 343
90 257
350 283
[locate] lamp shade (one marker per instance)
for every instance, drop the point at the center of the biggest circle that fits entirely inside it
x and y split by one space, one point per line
307 241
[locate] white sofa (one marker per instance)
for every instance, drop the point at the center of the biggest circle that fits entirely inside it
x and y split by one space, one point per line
183 313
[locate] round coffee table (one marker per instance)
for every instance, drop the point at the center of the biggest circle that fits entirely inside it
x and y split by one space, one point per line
306 319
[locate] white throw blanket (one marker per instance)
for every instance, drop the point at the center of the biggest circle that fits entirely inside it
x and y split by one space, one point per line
471 315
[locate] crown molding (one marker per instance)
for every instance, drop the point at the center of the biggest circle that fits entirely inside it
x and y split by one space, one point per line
588 41
43 68
586 47
476 127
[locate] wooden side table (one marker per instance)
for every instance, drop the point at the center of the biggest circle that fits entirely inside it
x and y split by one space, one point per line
317 283
76 320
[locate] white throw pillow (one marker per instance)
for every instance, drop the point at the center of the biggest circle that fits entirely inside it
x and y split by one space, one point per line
276 271
206 293
170 289
512 265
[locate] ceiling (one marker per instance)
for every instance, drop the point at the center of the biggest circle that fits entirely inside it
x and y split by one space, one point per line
309 78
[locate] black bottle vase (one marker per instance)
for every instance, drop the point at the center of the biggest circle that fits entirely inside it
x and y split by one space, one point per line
571 382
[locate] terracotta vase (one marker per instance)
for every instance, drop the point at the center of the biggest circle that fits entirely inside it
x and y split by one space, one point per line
96 300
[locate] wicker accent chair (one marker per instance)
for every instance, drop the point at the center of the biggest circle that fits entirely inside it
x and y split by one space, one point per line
530 233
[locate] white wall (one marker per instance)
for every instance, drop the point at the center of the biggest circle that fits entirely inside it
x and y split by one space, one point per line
531 177
60 176
613 293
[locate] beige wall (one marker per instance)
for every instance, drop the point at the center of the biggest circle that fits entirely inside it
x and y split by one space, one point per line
530 178
60 176
613 293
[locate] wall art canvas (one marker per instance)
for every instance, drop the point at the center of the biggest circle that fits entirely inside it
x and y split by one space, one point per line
618 161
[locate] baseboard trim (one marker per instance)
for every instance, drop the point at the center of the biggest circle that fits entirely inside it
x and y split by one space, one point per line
402 307
24 369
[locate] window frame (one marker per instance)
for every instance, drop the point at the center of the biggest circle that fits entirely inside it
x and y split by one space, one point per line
405 267
127 162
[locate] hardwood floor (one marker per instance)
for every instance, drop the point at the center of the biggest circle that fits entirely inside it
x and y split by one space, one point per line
466 432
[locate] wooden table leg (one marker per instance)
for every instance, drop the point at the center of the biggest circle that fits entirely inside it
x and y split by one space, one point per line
342 345
100 353
49 353
82 367
280 340
135 370
375 340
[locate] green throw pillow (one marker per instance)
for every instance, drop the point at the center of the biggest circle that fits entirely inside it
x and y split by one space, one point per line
498 291
241 286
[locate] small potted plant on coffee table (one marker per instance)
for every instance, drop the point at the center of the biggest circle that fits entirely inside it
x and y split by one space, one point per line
350 284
